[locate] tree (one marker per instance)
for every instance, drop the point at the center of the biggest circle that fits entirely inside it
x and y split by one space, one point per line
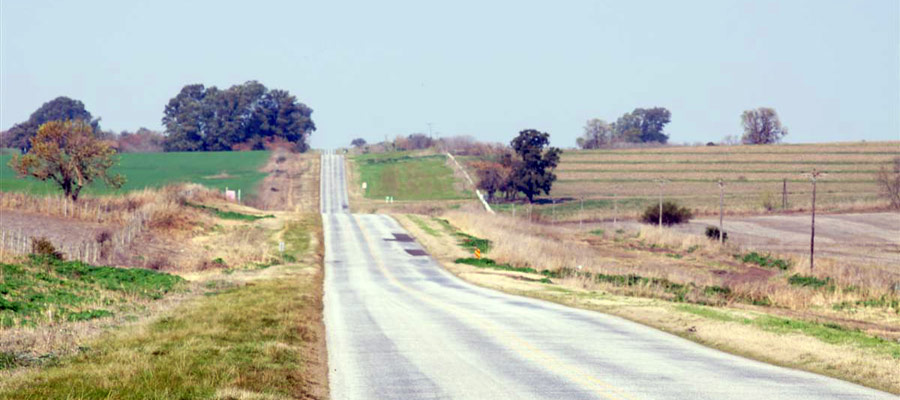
534 173
59 109
279 116
762 126
67 153
643 125
185 120
597 133
358 142
492 177
888 179
142 141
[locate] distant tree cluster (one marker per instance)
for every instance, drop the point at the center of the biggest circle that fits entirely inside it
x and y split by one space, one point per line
142 141
245 116
415 141
643 125
59 109
528 169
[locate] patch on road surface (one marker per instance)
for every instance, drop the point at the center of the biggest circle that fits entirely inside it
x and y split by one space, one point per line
416 252
400 237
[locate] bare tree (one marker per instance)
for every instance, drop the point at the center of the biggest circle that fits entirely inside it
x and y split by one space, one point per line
762 126
889 181
597 133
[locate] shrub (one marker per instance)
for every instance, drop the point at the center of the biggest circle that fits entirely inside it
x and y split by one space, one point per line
43 247
768 201
808 281
764 260
672 214
712 232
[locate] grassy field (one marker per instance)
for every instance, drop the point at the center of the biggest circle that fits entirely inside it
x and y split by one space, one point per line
407 176
754 178
237 170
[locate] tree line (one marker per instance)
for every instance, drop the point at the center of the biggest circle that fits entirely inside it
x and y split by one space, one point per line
247 116
760 126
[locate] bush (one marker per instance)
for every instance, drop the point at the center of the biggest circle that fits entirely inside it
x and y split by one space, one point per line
768 201
808 281
43 247
712 232
672 214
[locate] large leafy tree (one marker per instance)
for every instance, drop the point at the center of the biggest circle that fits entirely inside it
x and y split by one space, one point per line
762 126
186 120
246 115
59 109
68 153
644 125
533 173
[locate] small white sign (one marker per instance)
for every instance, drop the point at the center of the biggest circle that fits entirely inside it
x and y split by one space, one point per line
281 247
365 185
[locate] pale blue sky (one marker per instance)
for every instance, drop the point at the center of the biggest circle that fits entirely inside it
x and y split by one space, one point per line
488 69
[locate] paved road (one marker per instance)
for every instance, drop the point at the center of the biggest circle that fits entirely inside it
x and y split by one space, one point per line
400 327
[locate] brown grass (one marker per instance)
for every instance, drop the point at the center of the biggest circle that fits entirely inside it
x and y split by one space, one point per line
683 259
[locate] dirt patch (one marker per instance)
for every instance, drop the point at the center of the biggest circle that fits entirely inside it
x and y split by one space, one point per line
221 175
292 183
62 232
858 238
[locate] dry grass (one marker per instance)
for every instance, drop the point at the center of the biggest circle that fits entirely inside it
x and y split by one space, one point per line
672 257
255 334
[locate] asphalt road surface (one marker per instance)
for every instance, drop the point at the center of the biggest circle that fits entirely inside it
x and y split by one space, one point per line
400 327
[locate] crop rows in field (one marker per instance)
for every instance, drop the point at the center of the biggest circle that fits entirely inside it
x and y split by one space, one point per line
754 176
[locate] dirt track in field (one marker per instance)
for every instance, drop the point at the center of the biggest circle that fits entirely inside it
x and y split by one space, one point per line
60 231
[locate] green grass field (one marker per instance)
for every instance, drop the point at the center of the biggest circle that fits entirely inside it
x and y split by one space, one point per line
407 177
237 170
44 290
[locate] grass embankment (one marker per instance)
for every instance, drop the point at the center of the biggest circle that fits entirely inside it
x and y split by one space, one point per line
751 304
253 334
217 170
406 176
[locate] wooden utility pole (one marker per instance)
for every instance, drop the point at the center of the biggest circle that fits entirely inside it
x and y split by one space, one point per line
721 210
814 176
661 182
784 195
616 207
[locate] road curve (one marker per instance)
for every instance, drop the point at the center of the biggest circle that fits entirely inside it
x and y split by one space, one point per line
400 327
